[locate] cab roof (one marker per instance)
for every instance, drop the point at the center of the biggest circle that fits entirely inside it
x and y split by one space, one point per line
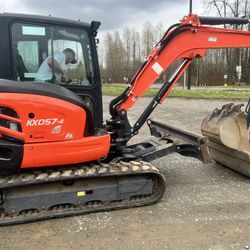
44 19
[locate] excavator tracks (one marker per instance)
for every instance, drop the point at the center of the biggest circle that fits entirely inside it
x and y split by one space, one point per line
70 191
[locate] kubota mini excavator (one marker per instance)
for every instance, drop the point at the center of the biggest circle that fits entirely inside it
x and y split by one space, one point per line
56 156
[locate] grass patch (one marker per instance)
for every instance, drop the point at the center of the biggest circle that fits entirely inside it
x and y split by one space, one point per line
234 86
116 90
110 89
210 94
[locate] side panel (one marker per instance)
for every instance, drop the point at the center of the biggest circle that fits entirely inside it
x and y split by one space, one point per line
43 118
52 132
66 152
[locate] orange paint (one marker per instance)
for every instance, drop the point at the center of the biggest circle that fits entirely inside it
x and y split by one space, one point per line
52 131
191 43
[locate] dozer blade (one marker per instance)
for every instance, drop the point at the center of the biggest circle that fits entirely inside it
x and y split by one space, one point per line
226 129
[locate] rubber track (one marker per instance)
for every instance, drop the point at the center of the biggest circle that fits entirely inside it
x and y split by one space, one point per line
82 172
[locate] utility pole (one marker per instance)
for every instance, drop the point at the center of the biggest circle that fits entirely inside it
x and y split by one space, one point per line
190 6
188 76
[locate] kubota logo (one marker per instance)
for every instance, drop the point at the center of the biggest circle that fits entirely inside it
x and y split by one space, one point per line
44 122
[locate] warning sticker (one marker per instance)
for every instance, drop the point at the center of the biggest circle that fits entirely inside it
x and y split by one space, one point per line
81 193
157 68
212 39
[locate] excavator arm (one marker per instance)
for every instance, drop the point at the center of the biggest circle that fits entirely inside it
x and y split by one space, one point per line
188 40
185 41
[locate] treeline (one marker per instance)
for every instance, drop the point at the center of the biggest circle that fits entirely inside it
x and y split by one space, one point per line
123 52
232 63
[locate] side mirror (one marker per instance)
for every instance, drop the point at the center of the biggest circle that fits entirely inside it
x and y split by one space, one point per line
95 26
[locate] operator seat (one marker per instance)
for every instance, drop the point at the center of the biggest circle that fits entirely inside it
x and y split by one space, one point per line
19 64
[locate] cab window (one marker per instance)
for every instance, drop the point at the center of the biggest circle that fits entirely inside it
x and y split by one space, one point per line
40 53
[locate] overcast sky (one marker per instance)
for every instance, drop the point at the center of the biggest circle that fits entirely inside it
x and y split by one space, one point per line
114 14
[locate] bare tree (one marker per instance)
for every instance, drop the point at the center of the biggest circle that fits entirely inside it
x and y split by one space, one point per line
148 38
228 59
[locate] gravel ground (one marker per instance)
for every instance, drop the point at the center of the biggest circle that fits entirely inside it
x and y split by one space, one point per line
204 206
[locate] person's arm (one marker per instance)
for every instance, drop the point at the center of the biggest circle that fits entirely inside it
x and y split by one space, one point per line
57 67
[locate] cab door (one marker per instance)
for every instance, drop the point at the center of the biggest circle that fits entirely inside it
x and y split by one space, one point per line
34 44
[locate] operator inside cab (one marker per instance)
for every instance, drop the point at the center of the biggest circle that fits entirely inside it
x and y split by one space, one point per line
57 62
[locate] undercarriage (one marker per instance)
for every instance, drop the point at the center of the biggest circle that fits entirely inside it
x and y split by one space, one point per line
39 195
33 195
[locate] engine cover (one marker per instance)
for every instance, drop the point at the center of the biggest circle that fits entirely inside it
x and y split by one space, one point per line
49 126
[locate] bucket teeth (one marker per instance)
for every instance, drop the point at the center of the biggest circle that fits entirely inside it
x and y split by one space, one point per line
227 106
226 110
223 113
236 108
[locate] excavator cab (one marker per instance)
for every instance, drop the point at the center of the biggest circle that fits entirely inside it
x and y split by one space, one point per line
27 40
39 117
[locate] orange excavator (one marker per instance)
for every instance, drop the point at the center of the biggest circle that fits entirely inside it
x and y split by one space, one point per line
57 157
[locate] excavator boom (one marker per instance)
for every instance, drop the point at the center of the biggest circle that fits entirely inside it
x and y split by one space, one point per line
188 40
185 41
